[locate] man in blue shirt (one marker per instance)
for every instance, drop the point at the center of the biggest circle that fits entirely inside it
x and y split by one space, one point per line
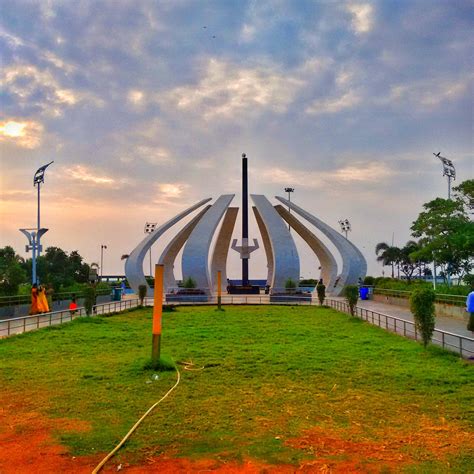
470 309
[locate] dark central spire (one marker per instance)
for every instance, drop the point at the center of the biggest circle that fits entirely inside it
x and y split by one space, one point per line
245 219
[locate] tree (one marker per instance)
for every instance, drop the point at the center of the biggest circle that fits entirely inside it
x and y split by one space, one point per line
11 272
465 193
351 292
409 262
387 254
446 235
423 309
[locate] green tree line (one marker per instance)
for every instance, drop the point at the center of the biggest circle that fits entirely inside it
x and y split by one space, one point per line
445 235
55 267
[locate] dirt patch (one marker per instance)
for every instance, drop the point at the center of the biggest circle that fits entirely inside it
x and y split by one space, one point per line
27 443
165 465
347 451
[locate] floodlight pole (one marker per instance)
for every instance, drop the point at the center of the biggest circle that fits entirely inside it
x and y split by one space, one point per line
149 229
102 247
37 180
448 170
289 191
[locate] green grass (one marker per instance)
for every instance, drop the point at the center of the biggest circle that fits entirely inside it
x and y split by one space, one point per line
271 373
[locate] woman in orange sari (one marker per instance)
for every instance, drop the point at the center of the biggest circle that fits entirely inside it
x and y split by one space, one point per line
34 299
43 306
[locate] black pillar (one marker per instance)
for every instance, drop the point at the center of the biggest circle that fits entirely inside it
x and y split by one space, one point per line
245 219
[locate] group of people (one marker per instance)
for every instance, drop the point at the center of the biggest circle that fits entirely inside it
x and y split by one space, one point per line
39 300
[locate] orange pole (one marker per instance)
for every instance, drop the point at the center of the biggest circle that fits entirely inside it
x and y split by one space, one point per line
157 315
219 289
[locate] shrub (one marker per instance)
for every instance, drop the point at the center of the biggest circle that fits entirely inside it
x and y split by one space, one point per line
321 291
189 283
142 290
290 285
469 279
90 296
423 309
351 292
369 280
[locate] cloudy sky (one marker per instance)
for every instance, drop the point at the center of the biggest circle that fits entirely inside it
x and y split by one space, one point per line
146 107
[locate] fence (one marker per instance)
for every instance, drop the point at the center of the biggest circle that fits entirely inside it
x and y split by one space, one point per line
26 299
447 340
455 300
454 342
9 327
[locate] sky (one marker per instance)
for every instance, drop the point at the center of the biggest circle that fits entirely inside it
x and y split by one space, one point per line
146 107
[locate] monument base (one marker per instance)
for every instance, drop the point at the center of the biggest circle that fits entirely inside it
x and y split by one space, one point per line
243 290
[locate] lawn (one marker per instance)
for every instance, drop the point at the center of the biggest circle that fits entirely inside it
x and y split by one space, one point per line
282 388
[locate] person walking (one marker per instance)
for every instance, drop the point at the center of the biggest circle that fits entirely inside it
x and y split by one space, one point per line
470 309
43 306
34 300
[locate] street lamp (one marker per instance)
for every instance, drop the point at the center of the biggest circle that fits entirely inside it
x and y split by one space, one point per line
150 227
102 248
37 180
34 234
345 226
289 191
448 170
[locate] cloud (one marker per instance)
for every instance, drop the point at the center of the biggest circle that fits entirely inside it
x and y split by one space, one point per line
430 93
37 89
347 100
362 17
358 172
25 134
173 190
227 90
91 176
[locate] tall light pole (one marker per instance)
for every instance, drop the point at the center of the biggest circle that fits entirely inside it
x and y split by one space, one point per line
102 248
448 170
289 191
150 227
37 180
345 226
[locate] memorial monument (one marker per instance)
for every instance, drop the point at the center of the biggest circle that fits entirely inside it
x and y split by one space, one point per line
280 249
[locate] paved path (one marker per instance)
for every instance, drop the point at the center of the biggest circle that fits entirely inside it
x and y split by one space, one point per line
453 325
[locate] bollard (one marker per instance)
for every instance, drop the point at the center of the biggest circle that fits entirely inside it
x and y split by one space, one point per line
157 315
219 291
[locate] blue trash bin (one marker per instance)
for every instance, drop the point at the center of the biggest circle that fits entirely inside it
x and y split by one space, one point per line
364 293
117 294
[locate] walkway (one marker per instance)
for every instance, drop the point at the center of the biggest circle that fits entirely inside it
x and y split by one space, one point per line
453 325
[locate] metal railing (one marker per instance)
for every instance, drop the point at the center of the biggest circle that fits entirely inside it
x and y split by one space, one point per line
455 300
461 344
455 342
9 327
66 295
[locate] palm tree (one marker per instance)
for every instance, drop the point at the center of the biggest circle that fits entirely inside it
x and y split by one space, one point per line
389 255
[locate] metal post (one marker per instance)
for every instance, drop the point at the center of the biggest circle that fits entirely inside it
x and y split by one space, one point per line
245 220
219 290
39 226
157 316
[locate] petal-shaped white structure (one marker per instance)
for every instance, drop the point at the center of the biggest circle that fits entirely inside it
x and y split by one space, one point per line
134 263
195 262
285 256
169 254
325 257
354 265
